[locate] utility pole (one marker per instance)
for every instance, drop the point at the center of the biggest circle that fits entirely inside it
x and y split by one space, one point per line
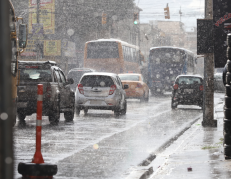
208 97
6 132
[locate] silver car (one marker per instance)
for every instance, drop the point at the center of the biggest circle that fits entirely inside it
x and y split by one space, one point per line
99 90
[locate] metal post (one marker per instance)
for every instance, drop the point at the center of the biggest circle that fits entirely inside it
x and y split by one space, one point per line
37 41
208 97
6 110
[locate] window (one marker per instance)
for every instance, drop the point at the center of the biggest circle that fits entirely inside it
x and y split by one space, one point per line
129 77
35 74
63 79
57 77
97 81
189 80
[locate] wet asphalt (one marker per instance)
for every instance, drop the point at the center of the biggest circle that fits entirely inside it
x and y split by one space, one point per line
100 145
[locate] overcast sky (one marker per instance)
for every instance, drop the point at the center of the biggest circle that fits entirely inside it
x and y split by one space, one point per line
154 10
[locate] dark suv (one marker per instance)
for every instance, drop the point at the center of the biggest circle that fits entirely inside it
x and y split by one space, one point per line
57 95
187 90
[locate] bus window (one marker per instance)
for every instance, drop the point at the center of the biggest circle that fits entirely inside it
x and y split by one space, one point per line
102 50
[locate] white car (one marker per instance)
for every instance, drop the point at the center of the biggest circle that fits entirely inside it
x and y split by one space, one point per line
99 90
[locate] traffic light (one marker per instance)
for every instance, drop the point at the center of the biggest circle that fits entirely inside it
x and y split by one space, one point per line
166 12
104 18
136 18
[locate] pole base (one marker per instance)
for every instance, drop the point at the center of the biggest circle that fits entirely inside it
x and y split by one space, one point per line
37 171
212 123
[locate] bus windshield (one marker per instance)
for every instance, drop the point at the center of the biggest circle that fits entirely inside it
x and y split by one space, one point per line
167 55
97 50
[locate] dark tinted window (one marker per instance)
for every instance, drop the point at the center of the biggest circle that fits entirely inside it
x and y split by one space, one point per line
76 75
98 50
189 80
35 74
97 81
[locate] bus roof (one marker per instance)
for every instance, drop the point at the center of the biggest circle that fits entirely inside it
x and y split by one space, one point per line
153 48
114 40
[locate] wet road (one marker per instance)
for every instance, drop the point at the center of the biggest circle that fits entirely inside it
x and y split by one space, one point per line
99 145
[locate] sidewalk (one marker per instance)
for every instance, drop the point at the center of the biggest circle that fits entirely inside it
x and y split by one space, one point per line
197 154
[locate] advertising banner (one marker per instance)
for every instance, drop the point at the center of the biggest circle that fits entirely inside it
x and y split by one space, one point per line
222 26
52 48
46 15
30 49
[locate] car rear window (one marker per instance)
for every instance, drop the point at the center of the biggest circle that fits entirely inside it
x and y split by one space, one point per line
189 80
35 74
129 77
97 81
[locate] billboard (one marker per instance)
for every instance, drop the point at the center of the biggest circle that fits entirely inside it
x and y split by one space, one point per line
222 26
30 49
52 48
46 15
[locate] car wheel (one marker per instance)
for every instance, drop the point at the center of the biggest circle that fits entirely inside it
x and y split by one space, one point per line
147 99
21 117
54 115
142 99
69 115
173 106
227 150
117 112
227 102
123 111
227 138
77 111
228 78
227 126
85 111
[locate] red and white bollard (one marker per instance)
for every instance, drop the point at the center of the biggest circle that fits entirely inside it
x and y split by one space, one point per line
37 168
38 158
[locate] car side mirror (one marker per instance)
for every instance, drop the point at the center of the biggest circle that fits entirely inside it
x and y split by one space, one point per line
125 87
70 81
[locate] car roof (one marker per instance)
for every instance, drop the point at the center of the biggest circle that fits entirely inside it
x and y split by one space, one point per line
37 62
100 73
196 76
129 74
81 69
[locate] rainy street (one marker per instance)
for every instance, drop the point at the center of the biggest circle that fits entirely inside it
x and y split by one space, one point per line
99 145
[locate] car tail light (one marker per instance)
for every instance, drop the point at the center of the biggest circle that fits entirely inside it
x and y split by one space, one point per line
139 85
48 92
201 88
175 86
80 88
112 89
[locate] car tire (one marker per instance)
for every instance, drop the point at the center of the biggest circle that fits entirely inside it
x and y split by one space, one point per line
227 102
227 138
228 90
173 106
85 111
54 115
123 111
227 150
77 111
69 115
117 111
142 99
147 99
228 78
228 67
21 117
227 113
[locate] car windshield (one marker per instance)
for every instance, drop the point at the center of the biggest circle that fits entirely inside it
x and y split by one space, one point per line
129 77
35 75
97 81
189 80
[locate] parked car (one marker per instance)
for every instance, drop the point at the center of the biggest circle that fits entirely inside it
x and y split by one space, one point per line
57 95
218 82
187 90
99 90
76 74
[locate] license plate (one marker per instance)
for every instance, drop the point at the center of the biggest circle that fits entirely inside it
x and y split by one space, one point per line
188 90
95 102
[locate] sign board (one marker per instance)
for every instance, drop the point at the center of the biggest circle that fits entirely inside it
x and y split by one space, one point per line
222 26
69 49
204 36
52 48
46 15
30 49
